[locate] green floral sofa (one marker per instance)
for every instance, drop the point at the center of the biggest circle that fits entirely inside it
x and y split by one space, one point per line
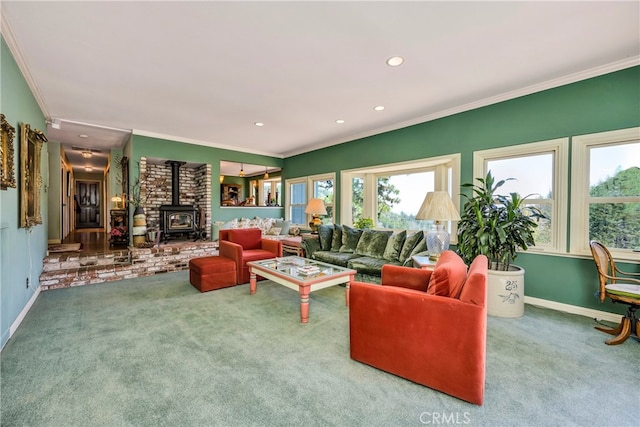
365 251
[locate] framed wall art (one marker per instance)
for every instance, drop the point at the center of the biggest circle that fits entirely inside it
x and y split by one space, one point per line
31 141
7 173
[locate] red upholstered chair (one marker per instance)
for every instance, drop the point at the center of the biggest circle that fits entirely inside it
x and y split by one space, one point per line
246 244
427 327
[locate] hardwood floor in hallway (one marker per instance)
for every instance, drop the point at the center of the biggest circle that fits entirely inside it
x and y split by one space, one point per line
94 240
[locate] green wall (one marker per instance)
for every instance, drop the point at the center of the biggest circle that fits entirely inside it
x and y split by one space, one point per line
143 146
21 251
54 194
607 102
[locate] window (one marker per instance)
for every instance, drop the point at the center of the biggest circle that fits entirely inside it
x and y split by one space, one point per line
400 197
357 197
323 189
606 183
540 176
297 200
271 192
301 190
392 194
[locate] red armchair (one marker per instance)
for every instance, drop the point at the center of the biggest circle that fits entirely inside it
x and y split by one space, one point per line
427 327
246 244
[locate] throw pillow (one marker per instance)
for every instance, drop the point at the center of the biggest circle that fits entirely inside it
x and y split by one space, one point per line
372 243
274 231
294 231
419 249
410 243
449 276
325 234
336 242
230 225
350 237
283 225
394 246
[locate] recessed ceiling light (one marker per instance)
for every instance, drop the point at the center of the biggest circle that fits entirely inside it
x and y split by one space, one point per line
88 168
82 135
394 61
259 124
378 108
340 121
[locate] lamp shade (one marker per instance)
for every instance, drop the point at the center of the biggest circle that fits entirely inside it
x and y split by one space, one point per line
316 207
438 206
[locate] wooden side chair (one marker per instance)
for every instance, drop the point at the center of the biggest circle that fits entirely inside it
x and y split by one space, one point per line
615 286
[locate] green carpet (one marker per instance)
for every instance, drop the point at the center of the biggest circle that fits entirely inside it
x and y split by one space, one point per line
154 351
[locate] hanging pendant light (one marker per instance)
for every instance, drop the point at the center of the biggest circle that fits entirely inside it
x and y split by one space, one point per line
241 170
266 173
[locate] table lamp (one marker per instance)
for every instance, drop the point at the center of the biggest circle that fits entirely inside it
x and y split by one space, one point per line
315 208
438 206
116 201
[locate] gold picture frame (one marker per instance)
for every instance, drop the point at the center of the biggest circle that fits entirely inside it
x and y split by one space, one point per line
7 173
31 141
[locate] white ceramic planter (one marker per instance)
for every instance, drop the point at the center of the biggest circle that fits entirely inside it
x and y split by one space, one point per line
505 293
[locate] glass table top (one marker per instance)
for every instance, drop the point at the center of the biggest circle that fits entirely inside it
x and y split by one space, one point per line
300 268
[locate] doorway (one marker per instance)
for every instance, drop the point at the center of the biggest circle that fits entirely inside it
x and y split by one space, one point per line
87 204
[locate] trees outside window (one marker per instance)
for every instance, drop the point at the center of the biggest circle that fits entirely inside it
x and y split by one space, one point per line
392 194
540 172
323 189
605 192
301 190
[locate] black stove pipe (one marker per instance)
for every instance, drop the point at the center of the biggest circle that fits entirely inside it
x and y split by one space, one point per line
175 180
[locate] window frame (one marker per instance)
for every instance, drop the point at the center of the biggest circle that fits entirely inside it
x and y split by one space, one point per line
560 149
580 186
288 205
443 180
309 194
262 193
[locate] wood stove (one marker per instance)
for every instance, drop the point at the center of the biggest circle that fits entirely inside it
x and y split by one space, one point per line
177 220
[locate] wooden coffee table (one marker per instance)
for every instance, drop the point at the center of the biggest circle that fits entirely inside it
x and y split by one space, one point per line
284 271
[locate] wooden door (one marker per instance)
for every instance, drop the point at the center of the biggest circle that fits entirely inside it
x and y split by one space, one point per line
87 204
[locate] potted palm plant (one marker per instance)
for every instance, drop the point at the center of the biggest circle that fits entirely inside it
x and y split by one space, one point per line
498 226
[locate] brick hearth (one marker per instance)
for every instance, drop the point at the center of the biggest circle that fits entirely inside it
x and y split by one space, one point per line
77 269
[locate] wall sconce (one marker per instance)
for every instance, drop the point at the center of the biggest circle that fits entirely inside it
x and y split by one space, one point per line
221 179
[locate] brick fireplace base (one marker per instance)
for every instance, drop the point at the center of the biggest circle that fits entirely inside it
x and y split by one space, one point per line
77 269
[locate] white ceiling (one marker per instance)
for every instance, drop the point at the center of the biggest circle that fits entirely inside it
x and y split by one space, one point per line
204 72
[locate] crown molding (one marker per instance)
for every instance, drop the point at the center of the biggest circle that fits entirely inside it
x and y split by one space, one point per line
203 143
7 34
528 90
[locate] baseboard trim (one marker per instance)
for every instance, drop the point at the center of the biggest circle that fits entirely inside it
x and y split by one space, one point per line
574 309
14 326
